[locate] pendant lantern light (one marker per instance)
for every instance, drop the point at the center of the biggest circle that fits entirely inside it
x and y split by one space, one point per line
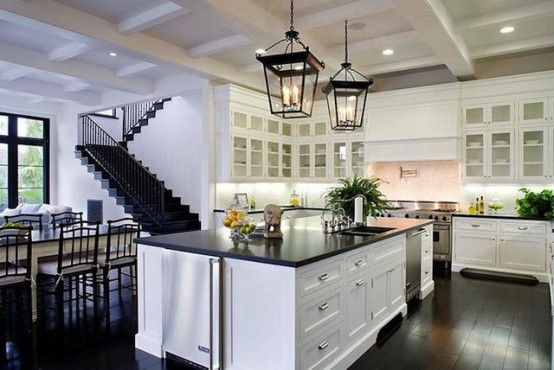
346 98
291 77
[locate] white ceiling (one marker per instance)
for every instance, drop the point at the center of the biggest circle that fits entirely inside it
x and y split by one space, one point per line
57 51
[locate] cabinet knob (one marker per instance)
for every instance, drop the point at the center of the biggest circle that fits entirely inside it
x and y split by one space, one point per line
359 263
426 272
360 282
323 277
323 306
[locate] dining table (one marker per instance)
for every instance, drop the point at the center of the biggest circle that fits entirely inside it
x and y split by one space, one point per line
45 243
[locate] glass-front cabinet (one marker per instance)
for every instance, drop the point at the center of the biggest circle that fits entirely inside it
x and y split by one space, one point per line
244 121
312 161
357 154
538 110
485 115
348 159
535 158
339 159
278 160
489 156
317 129
247 157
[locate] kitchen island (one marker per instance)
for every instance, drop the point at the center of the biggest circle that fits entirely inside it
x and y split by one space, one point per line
307 301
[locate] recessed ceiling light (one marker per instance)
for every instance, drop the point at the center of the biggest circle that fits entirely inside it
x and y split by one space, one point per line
112 54
388 52
260 51
506 29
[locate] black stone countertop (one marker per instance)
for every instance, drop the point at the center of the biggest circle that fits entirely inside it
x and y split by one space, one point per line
284 207
498 215
303 241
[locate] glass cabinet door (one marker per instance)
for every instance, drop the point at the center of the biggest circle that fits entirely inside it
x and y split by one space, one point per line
286 129
272 159
339 160
304 161
239 156
304 129
273 126
474 115
320 129
357 154
320 160
256 158
501 155
501 113
474 155
286 161
533 110
240 120
533 154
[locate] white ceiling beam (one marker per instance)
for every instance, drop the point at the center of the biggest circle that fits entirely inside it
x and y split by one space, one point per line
513 47
380 42
151 18
68 51
36 99
38 88
20 102
134 69
14 73
245 17
218 46
76 87
82 71
535 11
251 67
432 21
360 8
61 20
414 63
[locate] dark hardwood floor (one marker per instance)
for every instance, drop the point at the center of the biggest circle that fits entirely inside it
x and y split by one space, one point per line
464 324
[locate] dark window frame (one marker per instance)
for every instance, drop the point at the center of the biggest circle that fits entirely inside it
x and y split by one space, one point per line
13 141
112 115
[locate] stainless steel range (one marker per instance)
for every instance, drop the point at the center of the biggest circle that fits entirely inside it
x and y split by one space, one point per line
441 212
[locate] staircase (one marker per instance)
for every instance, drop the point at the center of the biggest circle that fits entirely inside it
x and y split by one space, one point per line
136 116
135 188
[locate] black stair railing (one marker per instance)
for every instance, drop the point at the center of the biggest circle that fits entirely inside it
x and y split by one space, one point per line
145 190
132 114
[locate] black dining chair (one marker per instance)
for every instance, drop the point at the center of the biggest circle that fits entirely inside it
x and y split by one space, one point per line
15 281
120 254
71 277
64 218
31 219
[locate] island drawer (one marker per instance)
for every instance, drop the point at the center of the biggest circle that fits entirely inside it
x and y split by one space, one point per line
358 262
319 277
426 270
474 224
318 353
387 249
318 312
524 227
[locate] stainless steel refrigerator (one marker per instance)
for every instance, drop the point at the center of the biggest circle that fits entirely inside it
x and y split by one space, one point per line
192 301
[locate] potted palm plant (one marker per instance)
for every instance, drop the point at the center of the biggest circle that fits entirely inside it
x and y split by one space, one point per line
343 195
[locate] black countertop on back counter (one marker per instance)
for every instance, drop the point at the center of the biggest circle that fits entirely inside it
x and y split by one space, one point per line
284 207
498 215
303 241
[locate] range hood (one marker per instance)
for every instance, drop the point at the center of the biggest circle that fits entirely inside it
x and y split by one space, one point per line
424 149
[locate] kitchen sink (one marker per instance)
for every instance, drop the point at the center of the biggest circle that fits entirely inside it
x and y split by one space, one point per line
366 230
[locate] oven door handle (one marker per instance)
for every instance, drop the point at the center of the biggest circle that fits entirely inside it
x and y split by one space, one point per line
420 231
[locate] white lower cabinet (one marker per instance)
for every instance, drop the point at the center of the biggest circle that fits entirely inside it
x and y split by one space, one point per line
358 311
505 245
388 290
427 283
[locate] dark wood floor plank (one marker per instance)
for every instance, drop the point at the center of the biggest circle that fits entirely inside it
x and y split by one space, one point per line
516 359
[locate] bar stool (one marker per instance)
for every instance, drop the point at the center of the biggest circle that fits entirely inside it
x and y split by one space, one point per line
75 266
120 253
15 281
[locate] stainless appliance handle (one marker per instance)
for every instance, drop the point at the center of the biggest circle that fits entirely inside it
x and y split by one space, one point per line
420 231
214 261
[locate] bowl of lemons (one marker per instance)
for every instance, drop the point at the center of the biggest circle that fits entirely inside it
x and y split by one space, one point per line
495 204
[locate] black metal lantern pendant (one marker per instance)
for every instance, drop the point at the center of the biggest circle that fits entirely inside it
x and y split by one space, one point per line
291 78
346 99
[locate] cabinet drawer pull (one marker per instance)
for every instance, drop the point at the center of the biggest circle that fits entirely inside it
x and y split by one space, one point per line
323 345
359 263
323 306
426 272
522 228
475 225
360 282
427 251
323 277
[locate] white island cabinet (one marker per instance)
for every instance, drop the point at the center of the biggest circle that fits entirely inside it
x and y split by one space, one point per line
316 315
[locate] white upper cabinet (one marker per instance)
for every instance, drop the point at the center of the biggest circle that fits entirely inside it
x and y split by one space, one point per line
487 115
311 129
488 156
538 110
536 155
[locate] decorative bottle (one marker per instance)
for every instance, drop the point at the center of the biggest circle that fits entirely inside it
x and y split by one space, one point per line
481 206
472 209
294 199
252 203
477 204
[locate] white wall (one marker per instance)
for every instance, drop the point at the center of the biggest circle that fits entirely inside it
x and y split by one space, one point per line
173 146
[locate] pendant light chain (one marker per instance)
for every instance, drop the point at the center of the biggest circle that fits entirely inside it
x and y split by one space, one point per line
346 41
292 15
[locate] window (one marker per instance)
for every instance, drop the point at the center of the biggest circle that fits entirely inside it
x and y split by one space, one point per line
110 113
24 160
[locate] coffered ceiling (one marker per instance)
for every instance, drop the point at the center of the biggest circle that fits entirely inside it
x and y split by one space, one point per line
58 51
